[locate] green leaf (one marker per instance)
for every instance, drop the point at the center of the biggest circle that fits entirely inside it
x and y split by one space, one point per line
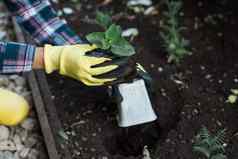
113 33
172 46
143 73
184 42
121 47
219 156
234 91
217 149
97 38
180 52
103 19
202 150
63 135
232 99
105 44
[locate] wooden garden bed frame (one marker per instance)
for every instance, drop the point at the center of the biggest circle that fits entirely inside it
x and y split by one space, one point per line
45 108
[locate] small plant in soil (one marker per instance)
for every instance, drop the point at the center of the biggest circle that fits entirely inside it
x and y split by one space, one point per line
111 39
174 43
211 146
232 98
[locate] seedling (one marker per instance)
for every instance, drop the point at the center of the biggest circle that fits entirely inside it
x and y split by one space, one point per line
232 98
111 39
211 146
174 43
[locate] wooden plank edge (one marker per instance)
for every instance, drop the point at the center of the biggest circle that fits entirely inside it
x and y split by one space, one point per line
39 105
42 117
52 111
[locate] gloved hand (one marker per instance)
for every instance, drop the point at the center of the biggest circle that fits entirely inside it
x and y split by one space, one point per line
76 61
13 108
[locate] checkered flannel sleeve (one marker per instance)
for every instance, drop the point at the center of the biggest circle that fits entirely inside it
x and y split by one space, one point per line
16 57
38 19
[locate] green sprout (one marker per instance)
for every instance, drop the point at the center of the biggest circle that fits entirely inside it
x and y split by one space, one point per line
111 39
232 98
174 43
211 146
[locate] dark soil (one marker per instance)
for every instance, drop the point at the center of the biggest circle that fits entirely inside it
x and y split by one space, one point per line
184 107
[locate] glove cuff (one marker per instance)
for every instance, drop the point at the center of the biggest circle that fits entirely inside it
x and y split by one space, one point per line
52 57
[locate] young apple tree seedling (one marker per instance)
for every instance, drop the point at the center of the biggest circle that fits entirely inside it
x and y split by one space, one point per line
111 39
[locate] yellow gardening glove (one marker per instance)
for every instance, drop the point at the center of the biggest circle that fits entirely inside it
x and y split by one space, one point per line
13 108
72 61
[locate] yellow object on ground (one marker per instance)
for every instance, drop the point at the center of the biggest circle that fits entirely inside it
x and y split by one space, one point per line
13 108
72 61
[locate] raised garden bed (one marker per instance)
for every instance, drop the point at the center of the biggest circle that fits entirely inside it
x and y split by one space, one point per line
189 95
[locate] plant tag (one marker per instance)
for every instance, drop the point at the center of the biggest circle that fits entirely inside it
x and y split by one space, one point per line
135 107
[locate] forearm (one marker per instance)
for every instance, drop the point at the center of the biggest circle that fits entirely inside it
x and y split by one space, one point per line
39 19
38 62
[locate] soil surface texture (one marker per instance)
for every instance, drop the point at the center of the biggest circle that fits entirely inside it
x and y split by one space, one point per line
189 96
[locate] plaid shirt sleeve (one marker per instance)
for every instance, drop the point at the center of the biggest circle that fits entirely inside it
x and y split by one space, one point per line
38 19
16 57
